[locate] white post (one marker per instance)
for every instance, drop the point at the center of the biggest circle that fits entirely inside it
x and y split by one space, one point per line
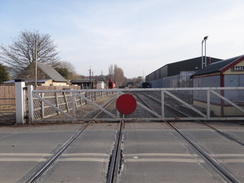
30 102
20 101
162 104
73 103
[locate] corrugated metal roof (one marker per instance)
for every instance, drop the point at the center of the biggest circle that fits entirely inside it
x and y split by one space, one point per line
216 67
52 73
176 68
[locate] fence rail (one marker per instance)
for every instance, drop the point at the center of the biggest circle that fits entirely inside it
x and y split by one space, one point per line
48 103
200 103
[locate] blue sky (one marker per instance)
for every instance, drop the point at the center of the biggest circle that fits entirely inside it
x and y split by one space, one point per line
139 36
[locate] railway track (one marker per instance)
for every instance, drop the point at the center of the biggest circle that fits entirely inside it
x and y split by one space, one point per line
154 103
176 111
226 135
114 160
213 163
44 167
116 157
102 111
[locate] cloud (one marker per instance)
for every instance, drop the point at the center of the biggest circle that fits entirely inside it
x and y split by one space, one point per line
139 36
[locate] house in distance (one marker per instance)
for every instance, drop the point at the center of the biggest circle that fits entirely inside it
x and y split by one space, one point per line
46 75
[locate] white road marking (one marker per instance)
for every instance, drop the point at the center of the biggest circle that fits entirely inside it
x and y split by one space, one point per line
25 154
22 159
160 154
84 159
227 155
85 154
163 157
162 160
38 157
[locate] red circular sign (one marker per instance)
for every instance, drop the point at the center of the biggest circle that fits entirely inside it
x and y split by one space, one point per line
126 104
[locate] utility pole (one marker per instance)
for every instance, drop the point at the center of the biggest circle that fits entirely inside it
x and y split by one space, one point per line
90 72
36 47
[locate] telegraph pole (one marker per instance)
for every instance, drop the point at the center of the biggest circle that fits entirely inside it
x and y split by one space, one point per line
90 74
36 64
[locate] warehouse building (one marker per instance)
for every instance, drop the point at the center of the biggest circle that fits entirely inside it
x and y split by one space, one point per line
217 73
177 74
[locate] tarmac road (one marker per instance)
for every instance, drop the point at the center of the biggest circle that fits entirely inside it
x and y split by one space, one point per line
152 152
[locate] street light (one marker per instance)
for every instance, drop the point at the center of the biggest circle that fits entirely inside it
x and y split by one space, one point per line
204 61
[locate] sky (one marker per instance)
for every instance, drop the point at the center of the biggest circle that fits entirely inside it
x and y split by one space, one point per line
139 36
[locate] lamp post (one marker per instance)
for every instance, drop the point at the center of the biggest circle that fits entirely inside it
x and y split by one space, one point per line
204 60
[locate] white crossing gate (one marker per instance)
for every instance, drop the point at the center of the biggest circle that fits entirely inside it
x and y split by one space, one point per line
153 104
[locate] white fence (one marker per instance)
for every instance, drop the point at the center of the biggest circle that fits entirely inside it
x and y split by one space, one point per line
169 103
62 103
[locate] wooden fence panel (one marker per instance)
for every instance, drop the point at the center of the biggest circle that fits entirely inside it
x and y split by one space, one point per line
7 94
7 104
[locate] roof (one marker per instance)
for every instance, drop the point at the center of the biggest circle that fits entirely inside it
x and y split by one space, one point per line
175 68
219 66
43 72
29 81
52 73
192 60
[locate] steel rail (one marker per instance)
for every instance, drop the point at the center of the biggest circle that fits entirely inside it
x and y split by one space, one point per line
166 105
114 163
105 106
145 105
228 136
225 174
140 98
55 156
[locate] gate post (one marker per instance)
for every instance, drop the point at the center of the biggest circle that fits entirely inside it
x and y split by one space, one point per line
30 103
20 101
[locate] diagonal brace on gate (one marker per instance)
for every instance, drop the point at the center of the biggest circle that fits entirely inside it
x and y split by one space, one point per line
186 104
96 105
145 107
227 100
53 106
149 110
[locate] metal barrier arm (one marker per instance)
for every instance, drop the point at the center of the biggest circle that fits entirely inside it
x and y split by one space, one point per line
96 105
53 106
149 110
144 106
186 104
227 100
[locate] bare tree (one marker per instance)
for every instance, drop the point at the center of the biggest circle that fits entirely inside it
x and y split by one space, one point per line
111 71
21 52
117 75
67 65
64 65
